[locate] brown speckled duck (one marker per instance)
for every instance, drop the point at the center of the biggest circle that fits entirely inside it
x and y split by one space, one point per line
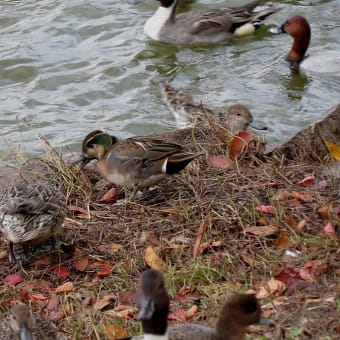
237 313
22 325
135 163
30 214
237 118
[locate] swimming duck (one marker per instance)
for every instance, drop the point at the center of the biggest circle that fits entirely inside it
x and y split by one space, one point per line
30 214
237 118
204 26
22 325
299 29
237 313
135 163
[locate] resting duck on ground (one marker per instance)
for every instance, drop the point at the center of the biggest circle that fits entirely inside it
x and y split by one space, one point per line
135 163
211 26
237 117
30 214
299 29
237 313
22 325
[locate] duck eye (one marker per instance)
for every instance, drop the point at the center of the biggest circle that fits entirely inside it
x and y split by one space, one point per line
239 114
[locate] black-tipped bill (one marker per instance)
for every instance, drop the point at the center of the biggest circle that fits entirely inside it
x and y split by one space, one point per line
147 308
276 30
80 159
265 322
25 334
258 127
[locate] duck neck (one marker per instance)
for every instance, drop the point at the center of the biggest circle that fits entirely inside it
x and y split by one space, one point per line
163 15
299 48
226 328
156 327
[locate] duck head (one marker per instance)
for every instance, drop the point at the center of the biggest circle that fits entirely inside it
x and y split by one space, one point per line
239 312
299 29
153 302
95 145
21 322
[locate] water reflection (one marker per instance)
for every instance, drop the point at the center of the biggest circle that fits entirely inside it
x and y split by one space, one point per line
296 84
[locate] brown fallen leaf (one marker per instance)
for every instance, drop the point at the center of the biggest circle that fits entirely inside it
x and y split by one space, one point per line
220 162
325 212
281 195
249 260
115 332
153 260
312 270
104 301
265 230
110 248
301 225
329 231
81 262
267 209
239 143
284 241
270 288
53 302
199 236
189 313
65 288
110 196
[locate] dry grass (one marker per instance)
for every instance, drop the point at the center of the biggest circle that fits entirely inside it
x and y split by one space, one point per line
169 219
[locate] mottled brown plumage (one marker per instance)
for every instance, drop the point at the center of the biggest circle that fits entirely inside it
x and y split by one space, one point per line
30 214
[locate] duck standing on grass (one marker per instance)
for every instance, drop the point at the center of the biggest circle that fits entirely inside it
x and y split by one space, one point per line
211 26
299 29
22 325
30 214
237 313
135 163
237 118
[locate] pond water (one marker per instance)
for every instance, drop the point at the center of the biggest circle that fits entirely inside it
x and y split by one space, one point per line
68 67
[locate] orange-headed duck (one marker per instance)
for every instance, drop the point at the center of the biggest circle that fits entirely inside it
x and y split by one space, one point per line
299 29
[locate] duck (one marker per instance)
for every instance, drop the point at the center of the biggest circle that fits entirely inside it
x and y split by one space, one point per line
23 325
30 214
237 117
237 313
153 302
299 29
136 163
211 26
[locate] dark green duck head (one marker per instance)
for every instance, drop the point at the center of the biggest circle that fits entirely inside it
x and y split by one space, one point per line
95 145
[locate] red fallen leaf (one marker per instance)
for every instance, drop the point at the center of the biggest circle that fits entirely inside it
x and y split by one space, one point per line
13 279
178 315
238 143
290 277
60 271
312 270
81 262
300 197
24 294
329 231
275 185
306 181
105 270
267 209
294 203
221 162
77 209
181 298
110 196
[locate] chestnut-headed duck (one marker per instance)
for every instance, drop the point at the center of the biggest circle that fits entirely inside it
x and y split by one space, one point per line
236 118
237 313
211 26
299 29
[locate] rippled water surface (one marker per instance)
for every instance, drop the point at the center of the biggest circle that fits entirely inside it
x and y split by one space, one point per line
70 66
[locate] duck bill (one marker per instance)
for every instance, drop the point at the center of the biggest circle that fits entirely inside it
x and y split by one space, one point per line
25 334
276 30
147 308
258 127
265 322
80 159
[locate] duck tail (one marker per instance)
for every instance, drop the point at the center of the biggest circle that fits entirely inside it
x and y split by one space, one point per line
260 16
179 161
